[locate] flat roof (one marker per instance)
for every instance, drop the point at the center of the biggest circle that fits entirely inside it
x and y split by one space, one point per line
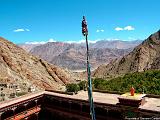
13 101
152 104
97 96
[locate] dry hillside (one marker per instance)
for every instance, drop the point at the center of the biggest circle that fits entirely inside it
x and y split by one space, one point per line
143 57
17 66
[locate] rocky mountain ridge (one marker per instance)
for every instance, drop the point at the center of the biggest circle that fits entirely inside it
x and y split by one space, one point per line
73 56
18 66
143 57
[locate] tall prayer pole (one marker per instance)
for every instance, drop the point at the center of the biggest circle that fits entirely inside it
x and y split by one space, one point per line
85 33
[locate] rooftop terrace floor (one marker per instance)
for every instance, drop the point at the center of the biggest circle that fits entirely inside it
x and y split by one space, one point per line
152 104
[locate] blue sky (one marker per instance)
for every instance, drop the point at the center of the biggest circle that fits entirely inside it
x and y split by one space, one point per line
40 20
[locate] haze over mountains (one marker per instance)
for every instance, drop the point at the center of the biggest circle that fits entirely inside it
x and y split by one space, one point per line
73 56
145 56
18 66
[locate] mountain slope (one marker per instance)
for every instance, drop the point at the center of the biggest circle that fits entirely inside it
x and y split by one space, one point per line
74 60
73 56
143 57
116 44
28 47
17 66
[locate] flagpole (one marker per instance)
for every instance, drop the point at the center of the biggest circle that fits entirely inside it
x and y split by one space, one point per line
85 33
92 112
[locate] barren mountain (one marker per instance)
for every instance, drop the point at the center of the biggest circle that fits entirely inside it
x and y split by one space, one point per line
18 66
143 57
28 47
73 56
116 44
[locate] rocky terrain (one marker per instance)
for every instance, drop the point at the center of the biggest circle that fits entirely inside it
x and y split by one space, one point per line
115 44
28 47
73 56
18 66
144 57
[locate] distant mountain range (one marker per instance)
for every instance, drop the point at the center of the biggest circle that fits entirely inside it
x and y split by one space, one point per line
18 66
145 56
73 56
115 44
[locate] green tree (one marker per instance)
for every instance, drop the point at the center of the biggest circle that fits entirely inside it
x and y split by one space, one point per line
83 85
147 82
72 88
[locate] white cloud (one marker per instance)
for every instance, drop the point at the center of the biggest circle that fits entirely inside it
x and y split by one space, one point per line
118 28
21 30
81 41
78 42
35 42
97 30
112 39
40 42
27 30
129 28
100 30
125 28
51 40
92 41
